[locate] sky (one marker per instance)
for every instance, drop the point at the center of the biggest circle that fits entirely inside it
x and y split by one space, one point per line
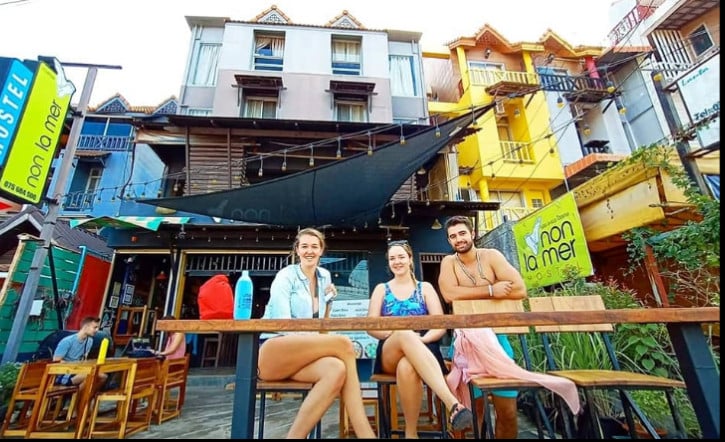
149 39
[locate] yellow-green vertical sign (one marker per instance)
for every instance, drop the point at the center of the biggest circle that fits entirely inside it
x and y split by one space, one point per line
33 149
551 244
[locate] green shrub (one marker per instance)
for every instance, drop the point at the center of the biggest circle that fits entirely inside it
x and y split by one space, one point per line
8 377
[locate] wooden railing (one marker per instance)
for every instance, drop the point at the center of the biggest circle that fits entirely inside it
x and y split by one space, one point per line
684 325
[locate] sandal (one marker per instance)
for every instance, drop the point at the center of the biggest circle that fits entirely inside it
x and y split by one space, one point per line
461 417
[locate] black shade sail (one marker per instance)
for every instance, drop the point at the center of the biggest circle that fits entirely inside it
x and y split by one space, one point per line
346 193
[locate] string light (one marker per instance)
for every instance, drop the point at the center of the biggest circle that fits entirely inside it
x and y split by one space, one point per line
370 145
559 102
261 166
610 87
284 161
402 135
338 155
312 155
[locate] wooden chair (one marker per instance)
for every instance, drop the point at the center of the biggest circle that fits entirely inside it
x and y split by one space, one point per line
433 422
55 425
143 395
25 394
488 385
590 379
370 400
281 387
171 388
277 387
113 424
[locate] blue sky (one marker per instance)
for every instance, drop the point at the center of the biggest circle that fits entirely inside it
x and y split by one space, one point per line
149 39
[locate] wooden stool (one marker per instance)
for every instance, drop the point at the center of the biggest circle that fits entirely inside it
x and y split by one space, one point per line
210 351
388 404
276 387
370 400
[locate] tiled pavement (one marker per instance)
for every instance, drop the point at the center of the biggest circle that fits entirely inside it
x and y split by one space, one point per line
208 409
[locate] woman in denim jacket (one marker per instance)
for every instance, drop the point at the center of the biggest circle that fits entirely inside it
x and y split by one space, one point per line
325 360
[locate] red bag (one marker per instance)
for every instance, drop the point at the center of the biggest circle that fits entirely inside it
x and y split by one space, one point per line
216 300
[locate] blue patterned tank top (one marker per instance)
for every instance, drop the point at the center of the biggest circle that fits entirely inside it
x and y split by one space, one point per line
413 306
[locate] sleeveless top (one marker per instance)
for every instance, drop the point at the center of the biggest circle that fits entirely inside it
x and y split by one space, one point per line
412 306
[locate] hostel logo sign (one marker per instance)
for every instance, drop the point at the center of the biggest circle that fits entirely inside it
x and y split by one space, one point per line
551 244
13 96
37 128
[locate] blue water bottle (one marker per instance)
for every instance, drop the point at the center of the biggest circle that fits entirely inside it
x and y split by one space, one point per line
243 296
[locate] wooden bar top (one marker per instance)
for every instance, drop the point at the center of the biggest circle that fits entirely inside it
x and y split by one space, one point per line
614 316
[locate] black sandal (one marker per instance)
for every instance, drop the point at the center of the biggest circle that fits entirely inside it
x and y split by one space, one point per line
461 417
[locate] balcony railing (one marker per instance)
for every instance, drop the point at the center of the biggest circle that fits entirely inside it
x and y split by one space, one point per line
79 201
516 151
504 82
630 21
488 77
575 88
105 142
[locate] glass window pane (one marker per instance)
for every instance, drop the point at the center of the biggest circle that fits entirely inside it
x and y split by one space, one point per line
402 79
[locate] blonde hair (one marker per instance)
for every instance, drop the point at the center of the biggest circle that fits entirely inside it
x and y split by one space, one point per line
311 232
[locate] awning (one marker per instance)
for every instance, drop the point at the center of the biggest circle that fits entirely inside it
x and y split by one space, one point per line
349 192
129 222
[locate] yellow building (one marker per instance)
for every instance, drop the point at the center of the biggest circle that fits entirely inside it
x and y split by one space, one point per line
514 156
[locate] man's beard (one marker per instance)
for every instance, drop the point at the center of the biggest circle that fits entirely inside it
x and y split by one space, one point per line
464 248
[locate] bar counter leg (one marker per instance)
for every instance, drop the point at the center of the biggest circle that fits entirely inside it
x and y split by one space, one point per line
699 373
245 386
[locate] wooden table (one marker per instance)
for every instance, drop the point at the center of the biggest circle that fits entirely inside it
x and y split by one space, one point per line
684 325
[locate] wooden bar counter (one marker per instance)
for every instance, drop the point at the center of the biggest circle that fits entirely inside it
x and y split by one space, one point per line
684 325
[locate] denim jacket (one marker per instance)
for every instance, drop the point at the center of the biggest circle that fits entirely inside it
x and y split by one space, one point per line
289 295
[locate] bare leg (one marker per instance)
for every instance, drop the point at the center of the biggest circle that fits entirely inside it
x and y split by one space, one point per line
287 356
410 388
328 375
407 343
507 425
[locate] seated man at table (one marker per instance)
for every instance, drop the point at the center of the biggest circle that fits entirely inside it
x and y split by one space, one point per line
473 273
75 348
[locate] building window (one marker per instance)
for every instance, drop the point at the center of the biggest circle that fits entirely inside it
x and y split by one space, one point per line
351 111
345 56
260 107
402 78
197 112
207 62
700 40
268 52
94 179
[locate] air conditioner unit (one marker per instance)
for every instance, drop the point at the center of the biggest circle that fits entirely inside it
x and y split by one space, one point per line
500 108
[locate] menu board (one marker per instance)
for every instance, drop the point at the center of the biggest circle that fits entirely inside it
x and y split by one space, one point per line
365 345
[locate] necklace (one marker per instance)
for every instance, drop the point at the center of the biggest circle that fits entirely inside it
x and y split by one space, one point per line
478 266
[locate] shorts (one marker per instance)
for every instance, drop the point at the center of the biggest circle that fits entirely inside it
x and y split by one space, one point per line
65 380
504 341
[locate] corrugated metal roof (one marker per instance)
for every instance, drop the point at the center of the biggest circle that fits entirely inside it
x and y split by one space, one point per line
30 221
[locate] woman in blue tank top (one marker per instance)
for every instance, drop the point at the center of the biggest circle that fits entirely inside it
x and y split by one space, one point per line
413 356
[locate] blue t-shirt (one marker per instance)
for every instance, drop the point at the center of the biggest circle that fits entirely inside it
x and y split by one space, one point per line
72 348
